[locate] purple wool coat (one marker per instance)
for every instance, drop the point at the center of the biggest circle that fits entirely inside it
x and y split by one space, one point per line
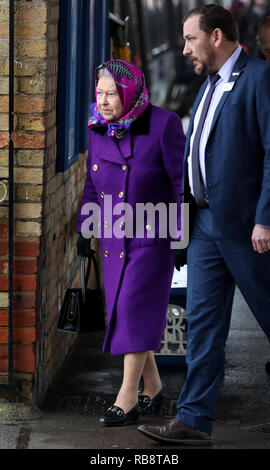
144 166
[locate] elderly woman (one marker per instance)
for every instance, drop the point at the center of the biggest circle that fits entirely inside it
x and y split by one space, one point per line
135 156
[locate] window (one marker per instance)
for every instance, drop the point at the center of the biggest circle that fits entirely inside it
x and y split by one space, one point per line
83 44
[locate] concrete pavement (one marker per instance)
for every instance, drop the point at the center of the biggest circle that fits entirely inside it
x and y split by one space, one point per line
89 380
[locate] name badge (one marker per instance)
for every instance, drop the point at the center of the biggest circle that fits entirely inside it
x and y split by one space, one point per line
227 86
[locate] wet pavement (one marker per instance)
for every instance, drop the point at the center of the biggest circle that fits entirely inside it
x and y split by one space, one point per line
89 380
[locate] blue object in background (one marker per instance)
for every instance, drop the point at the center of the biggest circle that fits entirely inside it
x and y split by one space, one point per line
83 44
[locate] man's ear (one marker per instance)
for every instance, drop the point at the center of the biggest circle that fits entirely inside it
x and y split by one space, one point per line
217 37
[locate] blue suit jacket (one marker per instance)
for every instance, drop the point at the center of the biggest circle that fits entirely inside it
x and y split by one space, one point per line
237 154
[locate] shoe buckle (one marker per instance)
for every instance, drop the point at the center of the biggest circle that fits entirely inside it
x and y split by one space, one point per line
145 399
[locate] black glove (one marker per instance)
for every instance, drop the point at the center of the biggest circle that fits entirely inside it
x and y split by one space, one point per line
83 246
180 258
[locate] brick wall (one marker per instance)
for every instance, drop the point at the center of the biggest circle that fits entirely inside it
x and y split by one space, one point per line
46 202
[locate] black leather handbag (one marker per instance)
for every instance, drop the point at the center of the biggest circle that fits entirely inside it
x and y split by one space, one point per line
82 310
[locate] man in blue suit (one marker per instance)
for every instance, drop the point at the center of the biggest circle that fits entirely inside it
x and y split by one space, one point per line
227 182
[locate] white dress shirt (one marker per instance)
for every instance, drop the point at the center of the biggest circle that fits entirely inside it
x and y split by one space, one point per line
225 74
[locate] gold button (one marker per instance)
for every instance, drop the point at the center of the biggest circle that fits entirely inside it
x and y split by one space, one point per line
148 227
122 254
124 167
95 167
99 224
122 224
106 254
106 224
102 194
121 194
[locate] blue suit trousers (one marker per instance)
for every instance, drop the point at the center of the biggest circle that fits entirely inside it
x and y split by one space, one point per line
215 266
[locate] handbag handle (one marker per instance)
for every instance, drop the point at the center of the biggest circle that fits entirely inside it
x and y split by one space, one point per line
74 270
84 277
96 270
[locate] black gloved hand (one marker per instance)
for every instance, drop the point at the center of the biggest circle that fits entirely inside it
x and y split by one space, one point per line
83 246
180 258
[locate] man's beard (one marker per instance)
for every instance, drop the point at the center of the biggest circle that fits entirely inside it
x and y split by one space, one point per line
207 68
201 69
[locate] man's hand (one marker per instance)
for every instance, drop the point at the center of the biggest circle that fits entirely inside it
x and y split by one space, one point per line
261 238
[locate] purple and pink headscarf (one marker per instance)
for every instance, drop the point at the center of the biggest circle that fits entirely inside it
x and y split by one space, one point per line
134 96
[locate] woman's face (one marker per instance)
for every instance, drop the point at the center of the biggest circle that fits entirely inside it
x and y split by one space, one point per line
108 100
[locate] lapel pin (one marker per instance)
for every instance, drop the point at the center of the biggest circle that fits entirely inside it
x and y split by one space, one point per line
235 73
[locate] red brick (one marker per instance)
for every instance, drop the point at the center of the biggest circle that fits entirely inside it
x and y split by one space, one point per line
22 248
3 283
24 266
25 104
20 318
24 301
20 336
3 139
21 283
26 141
24 318
3 229
3 317
3 335
24 359
25 283
3 248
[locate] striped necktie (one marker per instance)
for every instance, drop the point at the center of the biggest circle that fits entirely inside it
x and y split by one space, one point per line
198 186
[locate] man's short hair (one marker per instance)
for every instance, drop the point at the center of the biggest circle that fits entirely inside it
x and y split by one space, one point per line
215 16
264 23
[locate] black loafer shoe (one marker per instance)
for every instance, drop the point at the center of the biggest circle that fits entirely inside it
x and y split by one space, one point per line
115 416
149 405
176 432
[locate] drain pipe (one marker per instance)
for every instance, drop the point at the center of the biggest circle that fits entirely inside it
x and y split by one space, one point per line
11 383
11 196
